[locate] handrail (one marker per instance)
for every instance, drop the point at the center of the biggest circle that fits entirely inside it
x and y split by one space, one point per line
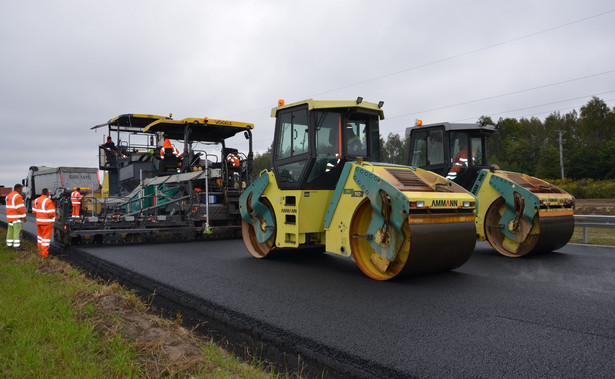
593 221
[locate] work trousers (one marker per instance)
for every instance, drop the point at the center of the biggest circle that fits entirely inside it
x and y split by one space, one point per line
76 210
12 234
44 238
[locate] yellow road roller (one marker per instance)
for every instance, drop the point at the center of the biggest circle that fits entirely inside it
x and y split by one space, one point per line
516 213
327 191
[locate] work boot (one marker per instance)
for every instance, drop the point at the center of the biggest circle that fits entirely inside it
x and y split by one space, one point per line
19 248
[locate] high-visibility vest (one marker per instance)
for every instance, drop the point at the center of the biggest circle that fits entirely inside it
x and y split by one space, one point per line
45 210
233 159
15 209
175 152
75 197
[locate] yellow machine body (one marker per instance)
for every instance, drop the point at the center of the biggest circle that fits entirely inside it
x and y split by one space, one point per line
543 222
516 213
389 219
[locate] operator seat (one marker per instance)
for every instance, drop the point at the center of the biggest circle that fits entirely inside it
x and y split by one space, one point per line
170 161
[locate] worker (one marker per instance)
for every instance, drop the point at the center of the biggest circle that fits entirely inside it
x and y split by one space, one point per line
166 144
15 214
109 145
233 159
353 141
111 152
75 199
460 161
45 212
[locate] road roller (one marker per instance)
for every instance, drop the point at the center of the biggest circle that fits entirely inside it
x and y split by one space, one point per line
516 213
329 192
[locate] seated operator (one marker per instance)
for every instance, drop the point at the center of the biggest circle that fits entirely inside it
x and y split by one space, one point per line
168 145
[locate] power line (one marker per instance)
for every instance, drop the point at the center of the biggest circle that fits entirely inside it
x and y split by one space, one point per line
530 107
541 105
504 94
448 58
559 110
466 53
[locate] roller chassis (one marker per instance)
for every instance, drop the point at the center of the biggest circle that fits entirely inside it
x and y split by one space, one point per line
389 219
385 228
517 217
517 214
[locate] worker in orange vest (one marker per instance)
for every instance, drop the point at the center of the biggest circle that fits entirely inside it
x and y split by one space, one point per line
45 212
75 199
166 144
233 160
15 213
460 161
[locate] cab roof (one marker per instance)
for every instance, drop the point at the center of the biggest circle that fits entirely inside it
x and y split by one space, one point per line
131 122
458 126
332 104
203 129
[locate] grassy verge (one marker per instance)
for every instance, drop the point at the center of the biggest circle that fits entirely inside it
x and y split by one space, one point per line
55 322
595 236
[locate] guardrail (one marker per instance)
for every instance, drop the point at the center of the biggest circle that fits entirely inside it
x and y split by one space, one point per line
593 221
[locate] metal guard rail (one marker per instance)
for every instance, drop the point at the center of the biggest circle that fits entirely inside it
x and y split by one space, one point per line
593 221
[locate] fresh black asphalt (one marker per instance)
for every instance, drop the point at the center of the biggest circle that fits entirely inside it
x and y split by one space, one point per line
551 315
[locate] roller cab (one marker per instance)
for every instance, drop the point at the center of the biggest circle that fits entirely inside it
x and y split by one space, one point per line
327 190
516 213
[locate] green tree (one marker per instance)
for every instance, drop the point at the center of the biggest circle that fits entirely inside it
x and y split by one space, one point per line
548 166
532 147
590 155
606 159
394 149
511 146
596 123
485 120
263 161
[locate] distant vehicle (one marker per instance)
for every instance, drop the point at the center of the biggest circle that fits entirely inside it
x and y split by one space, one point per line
65 179
517 214
4 191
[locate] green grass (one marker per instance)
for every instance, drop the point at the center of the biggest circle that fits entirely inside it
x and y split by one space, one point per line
51 325
41 334
595 236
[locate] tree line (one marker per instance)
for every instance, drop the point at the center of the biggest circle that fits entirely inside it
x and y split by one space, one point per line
531 146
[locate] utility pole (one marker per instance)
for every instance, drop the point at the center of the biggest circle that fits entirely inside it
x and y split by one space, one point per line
561 151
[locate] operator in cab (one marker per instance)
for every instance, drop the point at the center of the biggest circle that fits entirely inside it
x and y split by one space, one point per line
166 144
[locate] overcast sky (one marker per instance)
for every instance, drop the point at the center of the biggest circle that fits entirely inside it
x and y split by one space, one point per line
69 65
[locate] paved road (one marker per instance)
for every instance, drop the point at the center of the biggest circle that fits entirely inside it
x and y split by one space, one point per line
551 315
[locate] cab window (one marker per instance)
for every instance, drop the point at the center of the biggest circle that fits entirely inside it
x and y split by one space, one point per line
356 137
459 149
293 134
292 146
477 151
327 144
428 148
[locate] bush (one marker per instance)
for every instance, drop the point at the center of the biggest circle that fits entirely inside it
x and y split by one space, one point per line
587 188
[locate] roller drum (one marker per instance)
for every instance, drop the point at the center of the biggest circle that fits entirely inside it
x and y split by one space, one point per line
555 232
439 247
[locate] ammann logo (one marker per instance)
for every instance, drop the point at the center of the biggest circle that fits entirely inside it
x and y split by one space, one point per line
444 203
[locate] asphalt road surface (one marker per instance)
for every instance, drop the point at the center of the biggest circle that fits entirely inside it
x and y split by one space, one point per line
552 315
